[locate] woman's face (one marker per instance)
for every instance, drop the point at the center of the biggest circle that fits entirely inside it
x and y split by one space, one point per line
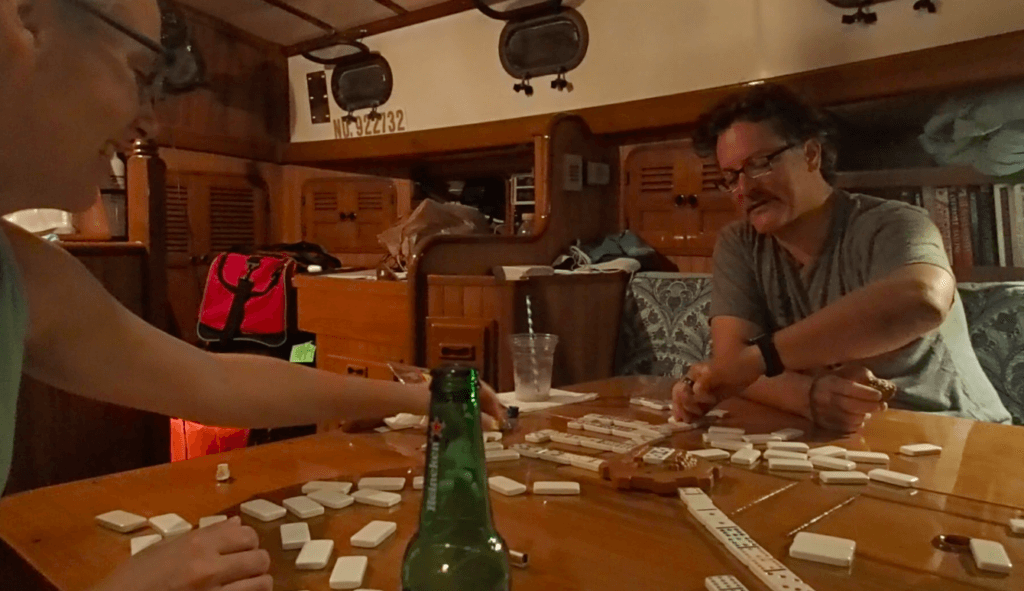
74 89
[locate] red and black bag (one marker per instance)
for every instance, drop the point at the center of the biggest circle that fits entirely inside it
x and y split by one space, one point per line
246 298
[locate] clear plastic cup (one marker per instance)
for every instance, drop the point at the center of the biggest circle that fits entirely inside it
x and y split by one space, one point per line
533 356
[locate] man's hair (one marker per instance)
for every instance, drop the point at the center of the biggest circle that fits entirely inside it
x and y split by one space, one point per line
789 115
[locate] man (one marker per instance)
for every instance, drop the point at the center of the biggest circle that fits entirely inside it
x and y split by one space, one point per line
813 278
78 79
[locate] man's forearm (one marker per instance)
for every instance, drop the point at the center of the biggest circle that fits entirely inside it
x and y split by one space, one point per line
788 392
277 394
877 319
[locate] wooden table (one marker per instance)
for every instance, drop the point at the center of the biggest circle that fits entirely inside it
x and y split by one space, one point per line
603 539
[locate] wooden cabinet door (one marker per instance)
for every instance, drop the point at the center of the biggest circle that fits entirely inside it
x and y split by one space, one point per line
671 199
347 215
206 214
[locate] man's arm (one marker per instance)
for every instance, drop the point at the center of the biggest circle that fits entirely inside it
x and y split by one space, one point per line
83 341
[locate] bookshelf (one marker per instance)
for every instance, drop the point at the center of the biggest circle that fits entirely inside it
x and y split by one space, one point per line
966 265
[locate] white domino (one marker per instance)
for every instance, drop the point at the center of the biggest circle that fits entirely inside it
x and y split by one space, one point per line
331 499
867 457
832 451
679 426
778 454
374 534
823 549
717 413
1017 526
574 425
527 450
294 535
746 457
556 488
211 520
348 572
494 446
733 432
315 555
893 478
724 583
170 524
990 556
852 477
596 428
789 434
377 498
506 486
730 444
121 521
538 437
761 563
490 436
342 487
263 510
503 455
303 507
834 464
658 455
789 446
140 543
920 449
710 454
787 465
417 483
390 484
586 463
762 438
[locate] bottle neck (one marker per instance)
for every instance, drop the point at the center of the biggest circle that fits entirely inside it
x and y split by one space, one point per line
455 492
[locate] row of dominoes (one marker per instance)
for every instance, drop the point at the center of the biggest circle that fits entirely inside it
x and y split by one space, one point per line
760 562
558 457
639 435
594 443
512 488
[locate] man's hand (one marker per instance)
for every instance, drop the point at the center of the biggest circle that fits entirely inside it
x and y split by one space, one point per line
690 403
222 557
490 405
843 400
707 384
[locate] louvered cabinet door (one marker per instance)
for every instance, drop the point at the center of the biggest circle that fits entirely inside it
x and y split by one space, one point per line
373 203
184 285
347 215
672 202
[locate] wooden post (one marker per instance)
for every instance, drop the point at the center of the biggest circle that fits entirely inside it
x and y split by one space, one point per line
147 224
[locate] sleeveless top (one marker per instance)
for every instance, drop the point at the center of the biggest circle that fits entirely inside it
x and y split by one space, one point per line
13 326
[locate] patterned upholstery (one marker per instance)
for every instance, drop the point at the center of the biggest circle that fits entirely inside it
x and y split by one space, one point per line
995 317
664 324
665 329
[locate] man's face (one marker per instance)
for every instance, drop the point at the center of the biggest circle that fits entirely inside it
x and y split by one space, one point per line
80 101
771 191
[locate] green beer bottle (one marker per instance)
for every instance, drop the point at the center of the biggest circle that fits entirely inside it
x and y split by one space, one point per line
456 547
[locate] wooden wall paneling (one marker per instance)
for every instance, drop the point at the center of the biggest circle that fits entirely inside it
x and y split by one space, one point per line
563 216
970 64
60 437
147 225
358 310
585 312
243 108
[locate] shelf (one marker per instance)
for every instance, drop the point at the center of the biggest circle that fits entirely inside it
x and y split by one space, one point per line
518 203
905 177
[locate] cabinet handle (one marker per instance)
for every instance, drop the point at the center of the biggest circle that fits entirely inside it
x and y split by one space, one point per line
458 352
354 370
352 216
686 201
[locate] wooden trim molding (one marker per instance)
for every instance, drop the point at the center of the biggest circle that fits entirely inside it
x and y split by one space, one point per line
969 64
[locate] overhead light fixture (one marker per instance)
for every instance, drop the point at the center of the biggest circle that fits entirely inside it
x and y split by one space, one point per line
361 79
540 40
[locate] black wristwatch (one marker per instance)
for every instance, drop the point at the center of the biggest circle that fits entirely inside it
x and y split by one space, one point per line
772 361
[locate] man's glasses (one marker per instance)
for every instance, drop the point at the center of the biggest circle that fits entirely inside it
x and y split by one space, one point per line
754 168
151 86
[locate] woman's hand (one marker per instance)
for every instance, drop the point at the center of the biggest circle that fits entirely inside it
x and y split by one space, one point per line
222 557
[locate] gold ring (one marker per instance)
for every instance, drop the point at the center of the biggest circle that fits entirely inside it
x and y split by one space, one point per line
688 381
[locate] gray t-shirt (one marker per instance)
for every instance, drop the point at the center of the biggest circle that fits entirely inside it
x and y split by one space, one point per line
757 280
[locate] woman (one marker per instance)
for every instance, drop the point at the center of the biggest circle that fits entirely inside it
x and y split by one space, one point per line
74 90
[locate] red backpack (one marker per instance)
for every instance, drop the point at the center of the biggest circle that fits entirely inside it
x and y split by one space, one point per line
246 298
